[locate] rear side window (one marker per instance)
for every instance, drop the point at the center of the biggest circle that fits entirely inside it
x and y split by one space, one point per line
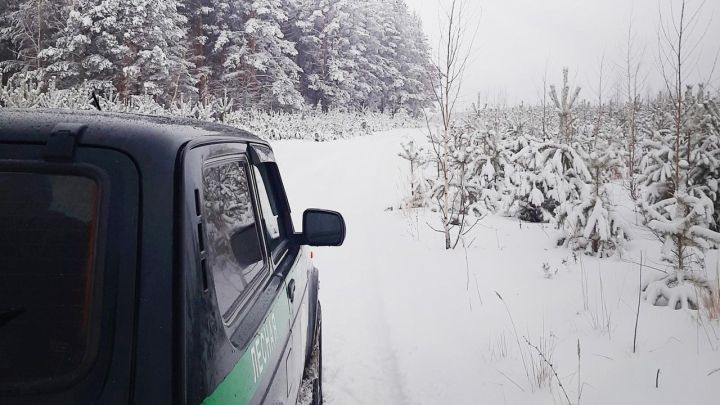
233 239
48 224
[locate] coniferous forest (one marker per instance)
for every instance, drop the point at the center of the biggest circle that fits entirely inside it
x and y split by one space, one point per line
275 55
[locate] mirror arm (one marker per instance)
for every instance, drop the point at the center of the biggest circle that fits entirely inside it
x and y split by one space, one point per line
299 239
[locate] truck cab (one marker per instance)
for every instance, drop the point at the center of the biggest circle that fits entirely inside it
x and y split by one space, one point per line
152 260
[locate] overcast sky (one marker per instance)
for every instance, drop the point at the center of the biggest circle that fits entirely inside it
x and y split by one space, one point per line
517 39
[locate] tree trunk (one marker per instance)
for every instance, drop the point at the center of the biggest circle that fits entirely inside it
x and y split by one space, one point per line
446 183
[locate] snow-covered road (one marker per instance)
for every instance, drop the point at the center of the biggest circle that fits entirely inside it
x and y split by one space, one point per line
351 177
405 322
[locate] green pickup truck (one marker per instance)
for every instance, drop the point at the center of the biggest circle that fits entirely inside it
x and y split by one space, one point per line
152 260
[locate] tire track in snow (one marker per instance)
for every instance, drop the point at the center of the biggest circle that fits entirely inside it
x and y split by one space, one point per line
350 176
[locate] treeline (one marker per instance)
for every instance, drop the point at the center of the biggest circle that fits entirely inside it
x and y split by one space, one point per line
266 54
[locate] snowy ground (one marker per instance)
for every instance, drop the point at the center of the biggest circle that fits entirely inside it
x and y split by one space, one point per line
404 321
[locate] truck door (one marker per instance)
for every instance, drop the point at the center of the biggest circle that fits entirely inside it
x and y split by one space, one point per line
237 323
286 256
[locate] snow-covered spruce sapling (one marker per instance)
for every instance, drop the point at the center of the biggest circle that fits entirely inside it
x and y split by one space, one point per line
415 155
456 192
548 174
26 90
519 198
564 107
23 90
677 199
682 224
490 139
545 174
473 172
144 104
705 173
510 175
674 203
590 223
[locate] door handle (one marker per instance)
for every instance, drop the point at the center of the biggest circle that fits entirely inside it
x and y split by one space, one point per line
291 290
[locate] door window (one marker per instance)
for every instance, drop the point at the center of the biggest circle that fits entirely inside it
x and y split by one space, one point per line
234 244
272 223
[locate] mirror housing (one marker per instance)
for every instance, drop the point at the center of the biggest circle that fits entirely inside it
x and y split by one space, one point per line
323 228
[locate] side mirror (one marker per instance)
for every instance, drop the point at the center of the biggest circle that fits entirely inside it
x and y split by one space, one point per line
323 228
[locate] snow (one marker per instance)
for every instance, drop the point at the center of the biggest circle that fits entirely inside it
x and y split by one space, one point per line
406 322
536 197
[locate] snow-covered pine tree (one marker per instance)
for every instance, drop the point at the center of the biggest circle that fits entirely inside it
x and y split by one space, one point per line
415 155
487 182
259 64
491 144
590 223
711 164
350 54
704 173
205 19
135 47
546 175
23 90
564 106
372 63
470 180
6 48
678 179
328 51
656 166
388 57
679 210
407 85
513 173
27 27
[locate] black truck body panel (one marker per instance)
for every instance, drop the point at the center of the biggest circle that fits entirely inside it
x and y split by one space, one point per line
149 352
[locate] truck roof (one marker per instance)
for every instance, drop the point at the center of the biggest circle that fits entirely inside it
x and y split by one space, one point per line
118 130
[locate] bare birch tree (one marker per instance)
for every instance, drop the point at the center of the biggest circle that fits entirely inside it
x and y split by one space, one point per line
544 102
457 38
633 87
600 110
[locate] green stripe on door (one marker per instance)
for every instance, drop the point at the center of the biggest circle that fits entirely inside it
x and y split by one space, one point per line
241 383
